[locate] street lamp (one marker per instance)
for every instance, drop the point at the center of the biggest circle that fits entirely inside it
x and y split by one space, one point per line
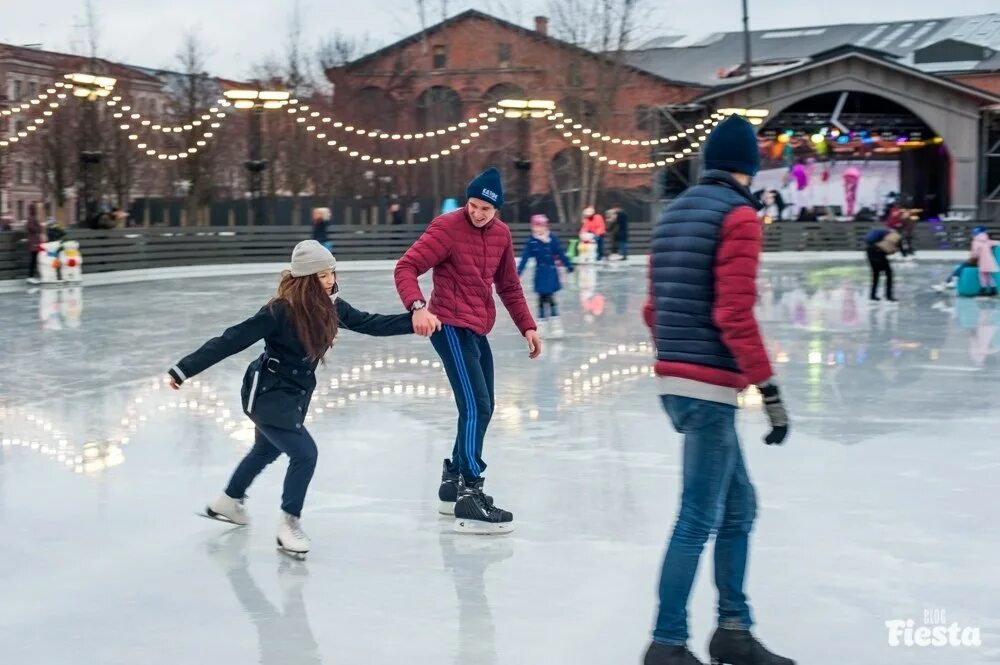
90 87
256 101
524 109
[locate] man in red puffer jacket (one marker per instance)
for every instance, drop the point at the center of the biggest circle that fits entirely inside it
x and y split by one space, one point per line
469 250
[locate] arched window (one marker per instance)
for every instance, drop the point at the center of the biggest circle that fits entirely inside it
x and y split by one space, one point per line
375 108
580 110
438 107
502 91
644 118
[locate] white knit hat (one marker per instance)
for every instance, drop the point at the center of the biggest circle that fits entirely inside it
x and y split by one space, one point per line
309 257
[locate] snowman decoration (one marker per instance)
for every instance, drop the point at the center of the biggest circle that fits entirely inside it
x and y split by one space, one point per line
587 248
71 261
48 262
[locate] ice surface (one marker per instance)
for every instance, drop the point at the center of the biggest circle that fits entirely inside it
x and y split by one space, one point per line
882 505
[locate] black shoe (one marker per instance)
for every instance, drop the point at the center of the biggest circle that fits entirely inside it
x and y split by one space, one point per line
890 299
475 512
448 491
663 654
740 647
874 298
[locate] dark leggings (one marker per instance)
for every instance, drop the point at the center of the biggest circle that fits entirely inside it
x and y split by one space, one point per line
879 262
269 443
550 300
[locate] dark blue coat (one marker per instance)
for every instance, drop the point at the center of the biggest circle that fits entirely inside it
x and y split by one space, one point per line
683 269
278 385
546 271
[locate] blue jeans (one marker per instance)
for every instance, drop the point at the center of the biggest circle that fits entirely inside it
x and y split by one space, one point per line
717 496
268 444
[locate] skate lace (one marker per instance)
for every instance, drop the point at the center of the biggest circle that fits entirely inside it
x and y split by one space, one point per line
295 529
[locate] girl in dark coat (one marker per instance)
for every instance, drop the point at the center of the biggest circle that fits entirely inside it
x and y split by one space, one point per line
298 326
545 248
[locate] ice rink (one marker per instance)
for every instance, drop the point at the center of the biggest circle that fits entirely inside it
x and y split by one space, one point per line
881 506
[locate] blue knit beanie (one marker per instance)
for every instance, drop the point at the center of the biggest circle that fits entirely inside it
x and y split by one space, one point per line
732 146
487 187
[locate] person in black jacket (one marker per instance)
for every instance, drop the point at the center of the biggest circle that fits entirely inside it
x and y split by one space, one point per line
298 326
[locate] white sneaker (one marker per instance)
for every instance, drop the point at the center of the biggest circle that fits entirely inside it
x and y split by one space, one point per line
291 537
556 330
228 509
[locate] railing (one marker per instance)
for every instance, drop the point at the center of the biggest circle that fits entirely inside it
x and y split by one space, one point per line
126 249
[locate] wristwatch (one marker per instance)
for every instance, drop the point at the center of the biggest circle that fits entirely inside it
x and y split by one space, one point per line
417 304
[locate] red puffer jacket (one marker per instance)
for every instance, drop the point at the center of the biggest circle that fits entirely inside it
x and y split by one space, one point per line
467 261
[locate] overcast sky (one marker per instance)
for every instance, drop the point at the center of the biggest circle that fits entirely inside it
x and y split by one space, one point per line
240 33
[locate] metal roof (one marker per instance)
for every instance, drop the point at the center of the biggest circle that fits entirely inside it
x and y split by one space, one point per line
708 60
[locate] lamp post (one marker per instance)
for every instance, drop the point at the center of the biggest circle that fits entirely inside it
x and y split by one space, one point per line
524 109
256 101
91 88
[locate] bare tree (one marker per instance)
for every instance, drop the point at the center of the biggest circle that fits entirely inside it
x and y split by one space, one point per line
607 27
193 93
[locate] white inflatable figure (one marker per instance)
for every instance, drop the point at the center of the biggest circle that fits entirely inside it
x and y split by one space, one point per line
71 305
71 261
48 262
49 313
586 249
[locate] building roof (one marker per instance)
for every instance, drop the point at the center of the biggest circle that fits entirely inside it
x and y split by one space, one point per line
67 61
842 53
713 59
533 34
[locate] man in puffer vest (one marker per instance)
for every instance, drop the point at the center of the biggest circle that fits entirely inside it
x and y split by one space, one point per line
703 271
469 250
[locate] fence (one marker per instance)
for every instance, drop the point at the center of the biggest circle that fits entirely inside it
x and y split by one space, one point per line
125 249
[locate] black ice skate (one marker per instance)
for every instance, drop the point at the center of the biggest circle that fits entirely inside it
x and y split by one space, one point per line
448 492
476 514
740 647
663 654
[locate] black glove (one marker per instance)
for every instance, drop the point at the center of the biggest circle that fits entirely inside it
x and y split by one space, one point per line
776 413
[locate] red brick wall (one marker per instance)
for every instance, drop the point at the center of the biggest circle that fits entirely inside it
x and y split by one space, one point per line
539 66
989 81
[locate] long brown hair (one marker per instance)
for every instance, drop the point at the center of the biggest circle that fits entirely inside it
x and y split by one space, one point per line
311 311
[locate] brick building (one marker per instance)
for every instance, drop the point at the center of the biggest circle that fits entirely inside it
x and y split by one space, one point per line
24 74
461 66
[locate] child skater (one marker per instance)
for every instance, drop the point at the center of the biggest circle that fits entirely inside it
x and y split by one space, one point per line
545 247
986 261
298 325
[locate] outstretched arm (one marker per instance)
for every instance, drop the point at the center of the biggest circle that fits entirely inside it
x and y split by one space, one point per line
562 254
229 343
430 249
376 325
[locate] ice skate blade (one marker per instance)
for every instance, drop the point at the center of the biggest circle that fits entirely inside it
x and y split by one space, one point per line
298 556
218 517
295 554
446 508
477 528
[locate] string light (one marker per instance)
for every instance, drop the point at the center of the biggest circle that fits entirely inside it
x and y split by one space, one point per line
126 112
705 127
569 125
316 117
476 132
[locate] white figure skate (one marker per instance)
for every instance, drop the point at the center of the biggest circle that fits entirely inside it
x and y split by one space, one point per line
227 509
292 540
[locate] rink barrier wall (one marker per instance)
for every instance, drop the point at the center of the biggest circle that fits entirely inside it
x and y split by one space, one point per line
170 247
